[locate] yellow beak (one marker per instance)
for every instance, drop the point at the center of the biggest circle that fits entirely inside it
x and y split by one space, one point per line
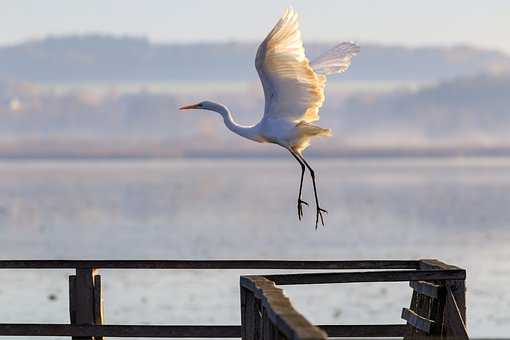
195 106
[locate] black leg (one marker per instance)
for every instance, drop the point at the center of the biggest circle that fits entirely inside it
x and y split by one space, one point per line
300 201
319 209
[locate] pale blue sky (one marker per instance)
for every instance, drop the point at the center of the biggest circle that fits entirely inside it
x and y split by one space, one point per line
476 22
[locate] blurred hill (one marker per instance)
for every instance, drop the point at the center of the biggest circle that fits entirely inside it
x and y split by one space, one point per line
457 115
459 107
96 58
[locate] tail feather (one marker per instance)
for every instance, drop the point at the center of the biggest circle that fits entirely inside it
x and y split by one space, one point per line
336 60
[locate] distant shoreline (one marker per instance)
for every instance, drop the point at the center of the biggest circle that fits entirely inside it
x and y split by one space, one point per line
351 153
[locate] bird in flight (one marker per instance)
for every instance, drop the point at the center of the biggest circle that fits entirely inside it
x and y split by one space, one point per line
294 92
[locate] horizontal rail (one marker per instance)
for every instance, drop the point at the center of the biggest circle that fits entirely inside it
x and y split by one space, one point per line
166 331
372 276
121 331
365 331
207 264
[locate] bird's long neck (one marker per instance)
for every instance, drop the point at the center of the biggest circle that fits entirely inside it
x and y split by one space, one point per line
249 132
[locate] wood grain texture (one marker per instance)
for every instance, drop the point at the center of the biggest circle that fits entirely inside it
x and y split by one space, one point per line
455 326
458 287
437 312
417 321
425 288
278 312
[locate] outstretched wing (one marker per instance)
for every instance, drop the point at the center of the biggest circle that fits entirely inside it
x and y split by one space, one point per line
336 60
292 89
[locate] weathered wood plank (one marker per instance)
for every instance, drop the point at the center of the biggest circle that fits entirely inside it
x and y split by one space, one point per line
368 276
423 306
243 293
177 331
458 287
411 332
250 318
436 264
84 298
455 326
365 331
98 304
277 311
437 312
266 325
135 331
208 264
425 288
72 303
417 321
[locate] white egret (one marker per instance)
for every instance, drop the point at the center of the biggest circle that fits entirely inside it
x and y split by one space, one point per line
293 91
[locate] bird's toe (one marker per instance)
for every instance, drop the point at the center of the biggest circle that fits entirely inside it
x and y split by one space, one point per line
300 208
319 216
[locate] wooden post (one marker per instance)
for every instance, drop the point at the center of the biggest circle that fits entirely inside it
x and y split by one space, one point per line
267 326
85 302
72 303
243 313
257 318
457 287
98 303
249 315
455 326
437 312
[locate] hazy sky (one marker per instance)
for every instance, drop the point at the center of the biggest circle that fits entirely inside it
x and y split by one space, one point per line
476 22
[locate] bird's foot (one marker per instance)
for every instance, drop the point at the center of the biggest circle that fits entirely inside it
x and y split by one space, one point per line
300 208
319 215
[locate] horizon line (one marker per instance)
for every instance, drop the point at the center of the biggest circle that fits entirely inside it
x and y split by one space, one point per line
227 41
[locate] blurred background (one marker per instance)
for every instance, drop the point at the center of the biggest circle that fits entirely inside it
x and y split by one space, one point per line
97 162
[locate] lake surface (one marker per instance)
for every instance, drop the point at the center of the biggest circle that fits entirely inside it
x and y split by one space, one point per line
455 210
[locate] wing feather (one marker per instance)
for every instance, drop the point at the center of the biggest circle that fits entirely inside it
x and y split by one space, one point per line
336 60
292 89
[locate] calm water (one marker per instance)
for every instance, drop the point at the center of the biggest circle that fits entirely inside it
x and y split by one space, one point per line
455 210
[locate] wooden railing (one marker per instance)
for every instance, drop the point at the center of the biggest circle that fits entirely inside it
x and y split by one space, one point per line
267 313
274 317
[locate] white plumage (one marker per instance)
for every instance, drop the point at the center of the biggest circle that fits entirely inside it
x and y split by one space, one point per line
291 87
293 91
336 60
